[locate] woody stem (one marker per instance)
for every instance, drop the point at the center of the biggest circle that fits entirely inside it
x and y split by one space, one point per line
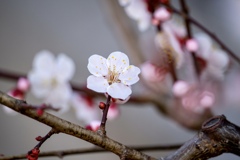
102 130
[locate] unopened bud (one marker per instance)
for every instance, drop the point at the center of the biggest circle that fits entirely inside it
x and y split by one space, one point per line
38 138
102 105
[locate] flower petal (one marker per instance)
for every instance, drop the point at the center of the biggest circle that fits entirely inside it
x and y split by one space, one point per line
97 65
98 84
130 75
40 83
65 68
119 90
117 61
205 45
44 61
60 96
83 111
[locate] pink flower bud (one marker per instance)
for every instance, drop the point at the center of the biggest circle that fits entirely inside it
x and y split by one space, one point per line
207 99
192 45
23 84
180 88
162 14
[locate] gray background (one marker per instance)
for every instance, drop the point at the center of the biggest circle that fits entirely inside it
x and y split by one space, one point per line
80 28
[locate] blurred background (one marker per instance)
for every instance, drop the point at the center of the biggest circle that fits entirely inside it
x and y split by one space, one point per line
81 28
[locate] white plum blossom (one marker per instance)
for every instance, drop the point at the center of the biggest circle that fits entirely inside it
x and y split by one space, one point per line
113 75
217 60
137 10
49 79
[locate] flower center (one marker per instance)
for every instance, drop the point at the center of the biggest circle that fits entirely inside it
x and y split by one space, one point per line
113 75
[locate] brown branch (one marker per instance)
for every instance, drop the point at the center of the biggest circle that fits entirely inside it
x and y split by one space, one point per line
102 129
63 153
199 25
160 103
73 129
217 136
185 10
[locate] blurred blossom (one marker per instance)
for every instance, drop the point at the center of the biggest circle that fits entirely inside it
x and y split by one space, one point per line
23 84
93 125
180 88
170 40
162 14
113 111
191 45
49 79
18 92
153 73
217 59
194 97
137 10
85 108
113 75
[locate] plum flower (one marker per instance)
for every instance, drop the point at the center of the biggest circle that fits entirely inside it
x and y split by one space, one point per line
217 60
137 10
50 77
113 75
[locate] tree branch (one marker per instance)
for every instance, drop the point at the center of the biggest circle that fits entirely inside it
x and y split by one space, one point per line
199 25
63 153
189 35
73 129
160 104
217 136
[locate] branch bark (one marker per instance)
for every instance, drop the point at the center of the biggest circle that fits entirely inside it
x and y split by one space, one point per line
69 128
217 136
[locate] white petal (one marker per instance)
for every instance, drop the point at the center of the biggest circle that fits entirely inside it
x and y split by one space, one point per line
205 45
97 65
40 83
98 84
44 61
119 90
60 96
117 61
65 68
219 59
84 112
130 75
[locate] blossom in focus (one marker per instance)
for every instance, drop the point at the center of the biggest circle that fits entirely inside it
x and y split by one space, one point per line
217 59
85 109
113 75
137 10
49 79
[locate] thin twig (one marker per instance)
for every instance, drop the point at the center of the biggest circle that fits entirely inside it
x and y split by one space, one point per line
63 153
185 10
199 25
102 129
